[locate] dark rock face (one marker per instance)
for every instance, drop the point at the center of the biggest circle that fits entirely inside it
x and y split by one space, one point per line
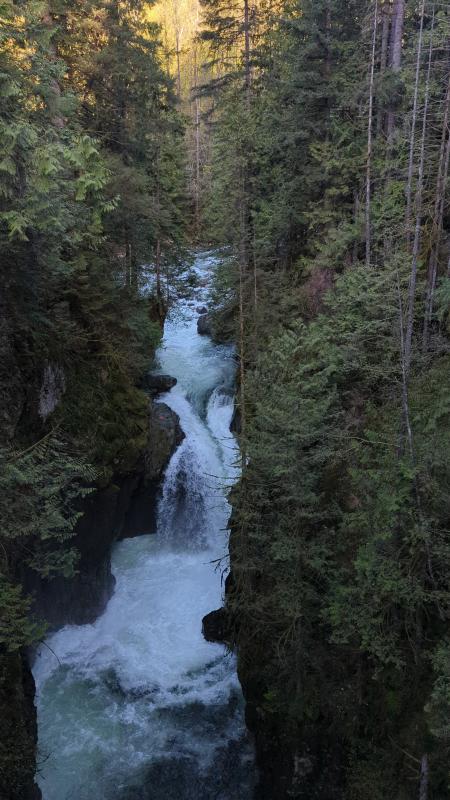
236 421
204 325
165 435
18 730
12 392
216 626
126 507
306 765
19 380
79 600
158 384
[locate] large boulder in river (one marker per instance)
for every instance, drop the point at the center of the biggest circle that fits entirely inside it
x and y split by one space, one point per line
165 435
216 626
236 421
204 325
158 384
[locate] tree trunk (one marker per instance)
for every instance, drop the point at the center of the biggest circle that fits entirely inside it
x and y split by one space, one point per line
405 391
128 268
385 31
197 147
177 39
424 776
158 269
247 65
395 61
418 224
243 273
397 34
370 137
55 96
413 132
328 41
444 159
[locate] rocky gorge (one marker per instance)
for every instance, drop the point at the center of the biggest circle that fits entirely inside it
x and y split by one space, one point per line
125 507
168 707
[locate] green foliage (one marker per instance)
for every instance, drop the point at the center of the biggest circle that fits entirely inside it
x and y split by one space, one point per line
340 538
40 490
91 179
16 627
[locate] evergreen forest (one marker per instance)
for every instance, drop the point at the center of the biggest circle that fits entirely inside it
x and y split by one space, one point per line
306 145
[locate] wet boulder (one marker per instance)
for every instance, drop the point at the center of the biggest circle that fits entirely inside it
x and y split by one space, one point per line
204 325
216 626
165 434
158 384
236 421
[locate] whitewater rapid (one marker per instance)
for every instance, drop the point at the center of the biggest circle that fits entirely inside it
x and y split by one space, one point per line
138 706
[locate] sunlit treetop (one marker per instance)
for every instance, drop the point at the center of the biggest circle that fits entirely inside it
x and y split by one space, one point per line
180 22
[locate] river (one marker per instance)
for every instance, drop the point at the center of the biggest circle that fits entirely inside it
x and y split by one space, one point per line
138 706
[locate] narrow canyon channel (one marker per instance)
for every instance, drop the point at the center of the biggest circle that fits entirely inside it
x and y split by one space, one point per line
138 706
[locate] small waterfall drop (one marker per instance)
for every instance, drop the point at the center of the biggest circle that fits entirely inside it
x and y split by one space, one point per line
139 706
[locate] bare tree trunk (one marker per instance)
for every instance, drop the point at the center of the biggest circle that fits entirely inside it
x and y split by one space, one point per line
247 65
177 40
356 217
370 137
328 41
243 271
444 160
418 225
166 50
405 392
255 280
197 147
385 30
128 260
55 95
197 163
242 349
386 27
413 131
242 354
395 62
397 34
424 776
158 269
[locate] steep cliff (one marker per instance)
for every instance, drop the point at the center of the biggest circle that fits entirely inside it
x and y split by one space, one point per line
136 437
18 731
125 507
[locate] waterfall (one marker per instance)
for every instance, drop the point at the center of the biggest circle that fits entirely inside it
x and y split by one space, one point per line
138 706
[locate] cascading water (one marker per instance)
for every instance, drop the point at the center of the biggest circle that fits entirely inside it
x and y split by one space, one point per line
138 706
